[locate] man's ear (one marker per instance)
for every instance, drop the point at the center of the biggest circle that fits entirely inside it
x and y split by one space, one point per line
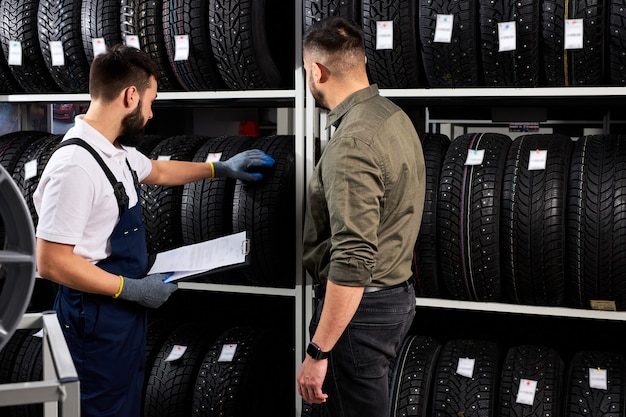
131 96
319 72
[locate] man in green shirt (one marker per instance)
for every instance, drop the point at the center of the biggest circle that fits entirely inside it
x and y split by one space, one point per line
364 210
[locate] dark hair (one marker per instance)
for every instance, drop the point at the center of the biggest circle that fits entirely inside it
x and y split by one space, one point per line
333 35
118 68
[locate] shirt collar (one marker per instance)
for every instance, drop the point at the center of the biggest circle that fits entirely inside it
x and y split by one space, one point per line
359 96
89 134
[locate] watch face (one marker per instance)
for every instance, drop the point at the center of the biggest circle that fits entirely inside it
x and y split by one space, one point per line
315 352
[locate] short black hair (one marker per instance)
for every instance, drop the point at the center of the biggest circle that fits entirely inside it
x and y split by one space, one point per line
333 34
120 67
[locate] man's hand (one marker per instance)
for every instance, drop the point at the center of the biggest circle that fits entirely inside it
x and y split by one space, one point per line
237 166
310 379
149 291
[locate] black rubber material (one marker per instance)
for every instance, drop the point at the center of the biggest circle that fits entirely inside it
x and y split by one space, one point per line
412 378
400 67
425 255
129 15
316 10
617 43
520 67
541 364
595 264
458 395
100 19
533 221
468 217
266 211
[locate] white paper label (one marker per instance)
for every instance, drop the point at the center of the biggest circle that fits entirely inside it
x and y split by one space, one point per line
176 353
132 41
598 378
228 352
164 157
465 367
56 53
15 53
30 169
443 28
384 35
507 40
213 157
537 159
181 47
573 33
526 392
99 46
475 156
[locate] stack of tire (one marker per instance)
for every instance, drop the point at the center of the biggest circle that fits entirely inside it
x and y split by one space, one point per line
228 44
503 228
196 212
478 377
473 54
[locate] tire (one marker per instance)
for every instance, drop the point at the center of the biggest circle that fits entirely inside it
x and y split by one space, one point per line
100 19
129 15
266 211
595 264
170 387
152 41
401 66
425 260
19 22
584 400
252 42
519 68
535 363
13 144
458 395
191 17
533 221
454 64
60 20
617 43
27 367
316 10
161 205
468 217
554 69
236 383
413 375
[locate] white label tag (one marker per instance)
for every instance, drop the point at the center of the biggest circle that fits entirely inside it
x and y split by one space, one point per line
15 53
465 367
537 160
384 35
228 352
598 378
176 353
507 40
573 34
443 28
526 392
213 157
56 53
181 48
30 169
99 46
164 157
475 156
132 41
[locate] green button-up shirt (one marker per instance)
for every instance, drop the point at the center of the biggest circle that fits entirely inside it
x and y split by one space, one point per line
366 196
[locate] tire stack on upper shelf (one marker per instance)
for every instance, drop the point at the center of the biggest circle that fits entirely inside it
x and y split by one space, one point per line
492 43
48 45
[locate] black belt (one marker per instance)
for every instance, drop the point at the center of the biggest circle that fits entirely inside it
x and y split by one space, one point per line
320 289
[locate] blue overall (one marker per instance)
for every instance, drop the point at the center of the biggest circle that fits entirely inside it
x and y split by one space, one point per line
107 336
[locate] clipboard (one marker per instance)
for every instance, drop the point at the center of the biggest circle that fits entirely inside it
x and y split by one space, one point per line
216 254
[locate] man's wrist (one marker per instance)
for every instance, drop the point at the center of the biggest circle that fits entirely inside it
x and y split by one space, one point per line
314 351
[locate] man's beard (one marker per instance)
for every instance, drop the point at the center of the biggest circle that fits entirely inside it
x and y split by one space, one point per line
133 128
318 96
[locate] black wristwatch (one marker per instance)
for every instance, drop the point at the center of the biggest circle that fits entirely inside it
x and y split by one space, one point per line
315 352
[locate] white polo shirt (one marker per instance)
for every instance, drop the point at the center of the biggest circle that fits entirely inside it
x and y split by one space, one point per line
74 198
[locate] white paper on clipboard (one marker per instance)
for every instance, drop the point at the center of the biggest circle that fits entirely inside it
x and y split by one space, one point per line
201 257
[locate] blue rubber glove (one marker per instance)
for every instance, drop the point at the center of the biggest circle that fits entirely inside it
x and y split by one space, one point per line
237 166
149 291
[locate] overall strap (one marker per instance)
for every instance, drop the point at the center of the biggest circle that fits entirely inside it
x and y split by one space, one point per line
118 187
